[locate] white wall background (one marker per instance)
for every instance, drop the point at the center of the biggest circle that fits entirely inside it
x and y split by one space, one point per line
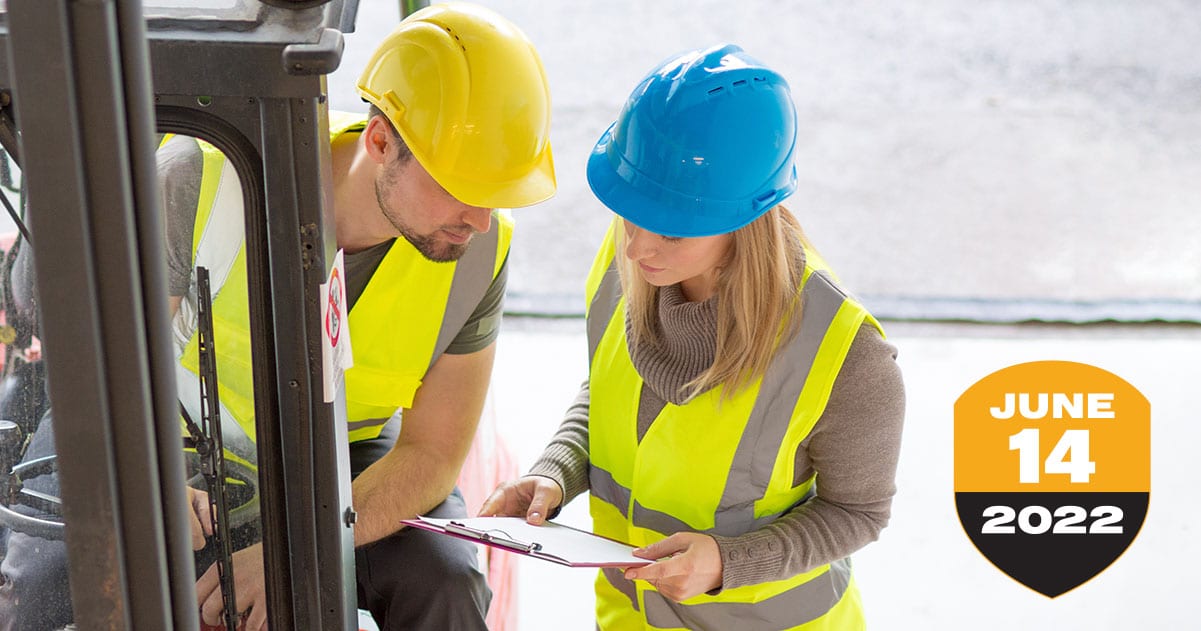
1016 149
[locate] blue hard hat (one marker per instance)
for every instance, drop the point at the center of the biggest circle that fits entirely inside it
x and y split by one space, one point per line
703 146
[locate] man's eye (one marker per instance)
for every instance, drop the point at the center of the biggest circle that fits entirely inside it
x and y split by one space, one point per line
673 239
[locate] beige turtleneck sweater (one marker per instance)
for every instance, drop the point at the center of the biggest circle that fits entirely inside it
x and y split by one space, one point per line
853 447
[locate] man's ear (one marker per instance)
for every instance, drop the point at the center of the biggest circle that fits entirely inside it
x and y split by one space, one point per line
376 138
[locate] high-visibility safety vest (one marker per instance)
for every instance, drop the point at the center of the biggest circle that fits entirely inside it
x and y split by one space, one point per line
408 314
710 466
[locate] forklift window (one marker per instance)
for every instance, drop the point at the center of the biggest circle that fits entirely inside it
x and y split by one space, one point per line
200 197
10 181
202 203
32 549
19 345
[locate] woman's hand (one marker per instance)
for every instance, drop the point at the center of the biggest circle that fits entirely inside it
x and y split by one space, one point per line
533 496
693 565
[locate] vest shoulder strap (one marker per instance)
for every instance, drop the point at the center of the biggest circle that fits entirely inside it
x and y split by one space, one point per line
344 122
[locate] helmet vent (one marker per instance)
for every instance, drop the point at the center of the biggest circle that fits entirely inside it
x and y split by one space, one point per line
740 83
764 199
718 90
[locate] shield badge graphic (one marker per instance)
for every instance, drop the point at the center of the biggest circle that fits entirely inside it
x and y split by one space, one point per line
1052 470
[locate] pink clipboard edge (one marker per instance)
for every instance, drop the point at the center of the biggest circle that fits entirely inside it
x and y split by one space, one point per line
424 525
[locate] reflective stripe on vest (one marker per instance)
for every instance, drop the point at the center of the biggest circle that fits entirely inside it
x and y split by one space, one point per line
641 494
432 300
817 603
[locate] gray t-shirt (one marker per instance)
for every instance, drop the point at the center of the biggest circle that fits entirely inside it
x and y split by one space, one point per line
180 164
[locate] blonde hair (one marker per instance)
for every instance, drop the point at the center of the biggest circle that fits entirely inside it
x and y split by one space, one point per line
758 301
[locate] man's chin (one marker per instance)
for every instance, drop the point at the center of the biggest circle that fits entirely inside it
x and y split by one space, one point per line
444 252
437 251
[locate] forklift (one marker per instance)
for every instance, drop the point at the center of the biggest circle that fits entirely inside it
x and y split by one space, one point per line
88 91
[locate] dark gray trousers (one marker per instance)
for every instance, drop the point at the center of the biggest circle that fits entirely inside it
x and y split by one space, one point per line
416 579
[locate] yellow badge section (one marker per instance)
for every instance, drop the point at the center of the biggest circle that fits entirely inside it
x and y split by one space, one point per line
1052 426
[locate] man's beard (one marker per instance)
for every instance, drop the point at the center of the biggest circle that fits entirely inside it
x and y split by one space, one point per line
429 247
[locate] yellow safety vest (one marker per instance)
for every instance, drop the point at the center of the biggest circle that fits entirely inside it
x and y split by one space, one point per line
722 469
408 314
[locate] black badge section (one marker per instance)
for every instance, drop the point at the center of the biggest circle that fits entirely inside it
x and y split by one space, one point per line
1052 542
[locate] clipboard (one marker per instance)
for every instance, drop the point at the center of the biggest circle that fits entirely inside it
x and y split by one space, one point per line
550 542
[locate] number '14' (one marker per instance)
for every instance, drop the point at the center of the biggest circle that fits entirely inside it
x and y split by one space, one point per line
1069 456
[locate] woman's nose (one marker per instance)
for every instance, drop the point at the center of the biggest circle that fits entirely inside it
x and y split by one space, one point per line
638 245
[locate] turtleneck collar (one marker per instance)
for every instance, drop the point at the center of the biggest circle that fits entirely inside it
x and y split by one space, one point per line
683 345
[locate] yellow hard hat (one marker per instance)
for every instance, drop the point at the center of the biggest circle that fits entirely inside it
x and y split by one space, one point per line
468 94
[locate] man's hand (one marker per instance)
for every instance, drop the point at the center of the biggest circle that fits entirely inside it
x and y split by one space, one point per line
694 565
249 590
532 496
202 517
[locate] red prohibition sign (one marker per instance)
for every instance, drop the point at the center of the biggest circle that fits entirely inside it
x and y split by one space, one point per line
333 317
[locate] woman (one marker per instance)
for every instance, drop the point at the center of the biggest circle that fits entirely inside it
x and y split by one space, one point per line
742 417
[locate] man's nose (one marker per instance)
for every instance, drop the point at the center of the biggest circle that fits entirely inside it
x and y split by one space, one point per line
480 219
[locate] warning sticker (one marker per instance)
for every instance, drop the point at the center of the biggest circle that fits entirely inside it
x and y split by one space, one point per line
335 329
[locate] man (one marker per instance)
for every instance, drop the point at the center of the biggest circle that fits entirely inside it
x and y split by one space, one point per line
458 126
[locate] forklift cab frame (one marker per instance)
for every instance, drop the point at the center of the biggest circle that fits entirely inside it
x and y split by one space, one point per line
81 84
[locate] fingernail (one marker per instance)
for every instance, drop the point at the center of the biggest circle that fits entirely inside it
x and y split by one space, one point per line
535 516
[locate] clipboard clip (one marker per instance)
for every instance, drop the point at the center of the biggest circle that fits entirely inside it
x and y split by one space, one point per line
495 535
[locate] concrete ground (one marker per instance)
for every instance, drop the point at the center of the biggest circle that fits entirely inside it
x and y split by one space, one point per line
924 574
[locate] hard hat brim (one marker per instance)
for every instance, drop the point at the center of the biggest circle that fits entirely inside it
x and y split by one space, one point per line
536 186
636 206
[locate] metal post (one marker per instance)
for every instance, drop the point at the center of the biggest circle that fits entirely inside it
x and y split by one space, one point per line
79 71
139 115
